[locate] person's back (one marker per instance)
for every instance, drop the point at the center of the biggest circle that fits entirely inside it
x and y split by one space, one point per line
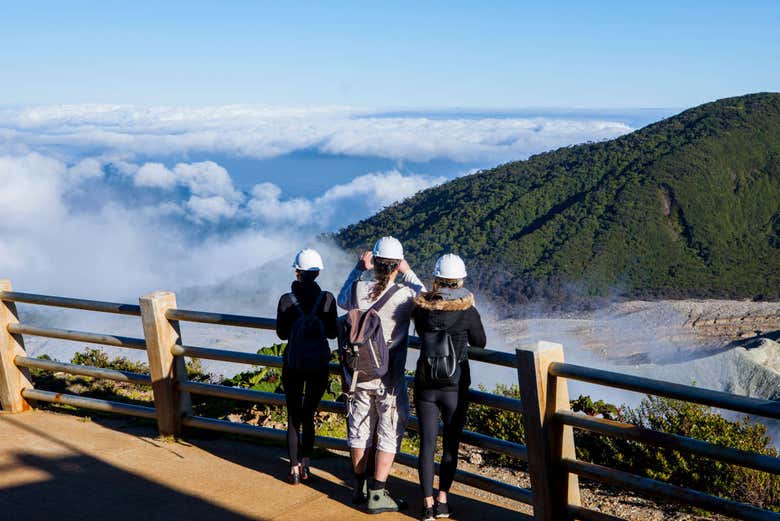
395 315
379 408
448 311
306 317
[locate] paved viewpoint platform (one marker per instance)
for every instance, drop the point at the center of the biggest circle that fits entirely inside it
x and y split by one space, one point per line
63 467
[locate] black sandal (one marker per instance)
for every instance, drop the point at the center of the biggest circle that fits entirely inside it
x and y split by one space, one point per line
294 478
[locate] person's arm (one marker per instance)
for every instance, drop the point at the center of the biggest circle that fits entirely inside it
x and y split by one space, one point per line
283 324
410 279
365 262
345 295
330 316
476 331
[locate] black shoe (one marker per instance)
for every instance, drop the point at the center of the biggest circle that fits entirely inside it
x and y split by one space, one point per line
428 514
294 479
359 494
305 473
441 510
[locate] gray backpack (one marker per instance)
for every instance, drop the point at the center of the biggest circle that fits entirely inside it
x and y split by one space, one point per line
363 351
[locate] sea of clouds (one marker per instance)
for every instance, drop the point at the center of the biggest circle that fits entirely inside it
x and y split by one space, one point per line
102 201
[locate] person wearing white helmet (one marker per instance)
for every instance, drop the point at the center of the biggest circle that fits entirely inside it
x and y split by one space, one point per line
381 406
306 318
448 325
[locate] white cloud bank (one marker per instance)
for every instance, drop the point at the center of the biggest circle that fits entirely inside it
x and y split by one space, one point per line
262 132
360 197
70 228
124 245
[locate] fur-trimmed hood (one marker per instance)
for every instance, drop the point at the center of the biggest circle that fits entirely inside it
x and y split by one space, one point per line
445 300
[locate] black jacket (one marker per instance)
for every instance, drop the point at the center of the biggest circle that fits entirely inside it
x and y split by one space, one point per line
453 311
306 293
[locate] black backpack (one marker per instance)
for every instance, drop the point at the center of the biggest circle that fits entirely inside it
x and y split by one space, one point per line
439 357
363 351
307 347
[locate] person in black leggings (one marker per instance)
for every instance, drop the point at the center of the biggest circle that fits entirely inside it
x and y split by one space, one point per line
449 307
305 368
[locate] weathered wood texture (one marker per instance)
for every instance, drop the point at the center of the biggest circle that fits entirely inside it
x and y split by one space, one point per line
547 440
161 336
13 379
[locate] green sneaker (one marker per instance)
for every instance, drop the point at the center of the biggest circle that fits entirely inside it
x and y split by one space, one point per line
380 501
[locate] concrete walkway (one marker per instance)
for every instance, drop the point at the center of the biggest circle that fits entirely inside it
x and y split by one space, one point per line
63 467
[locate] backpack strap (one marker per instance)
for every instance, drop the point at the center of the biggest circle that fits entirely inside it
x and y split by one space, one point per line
379 304
297 303
317 303
355 303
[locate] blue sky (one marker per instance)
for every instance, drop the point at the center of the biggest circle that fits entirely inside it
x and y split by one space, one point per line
181 143
415 54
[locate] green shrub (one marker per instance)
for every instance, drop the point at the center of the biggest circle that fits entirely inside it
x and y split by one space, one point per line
681 468
96 357
498 423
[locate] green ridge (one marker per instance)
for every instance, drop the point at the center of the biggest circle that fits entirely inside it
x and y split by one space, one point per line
686 207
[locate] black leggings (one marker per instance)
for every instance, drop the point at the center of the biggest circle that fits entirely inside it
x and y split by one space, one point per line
301 406
452 405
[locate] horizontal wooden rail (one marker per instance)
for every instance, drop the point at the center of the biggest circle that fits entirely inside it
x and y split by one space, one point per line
688 393
523 495
488 356
474 480
83 370
669 492
628 431
250 395
73 303
223 319
91 403
500 446
78 336
224 355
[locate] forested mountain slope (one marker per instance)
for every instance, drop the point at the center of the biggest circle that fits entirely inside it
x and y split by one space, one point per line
686 207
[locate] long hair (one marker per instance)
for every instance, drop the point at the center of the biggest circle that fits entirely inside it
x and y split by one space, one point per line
383 268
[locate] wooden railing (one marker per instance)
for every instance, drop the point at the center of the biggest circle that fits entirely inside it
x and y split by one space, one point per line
544 404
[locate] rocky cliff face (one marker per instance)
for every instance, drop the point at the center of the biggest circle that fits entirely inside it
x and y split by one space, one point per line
759 369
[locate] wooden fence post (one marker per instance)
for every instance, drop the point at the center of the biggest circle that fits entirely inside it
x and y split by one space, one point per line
12 378
161 335
552 487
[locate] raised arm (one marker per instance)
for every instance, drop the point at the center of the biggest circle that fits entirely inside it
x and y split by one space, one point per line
345 295
410 279
365 262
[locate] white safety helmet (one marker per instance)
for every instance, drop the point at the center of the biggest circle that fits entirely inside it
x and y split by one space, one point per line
308 259
450 266
389 248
